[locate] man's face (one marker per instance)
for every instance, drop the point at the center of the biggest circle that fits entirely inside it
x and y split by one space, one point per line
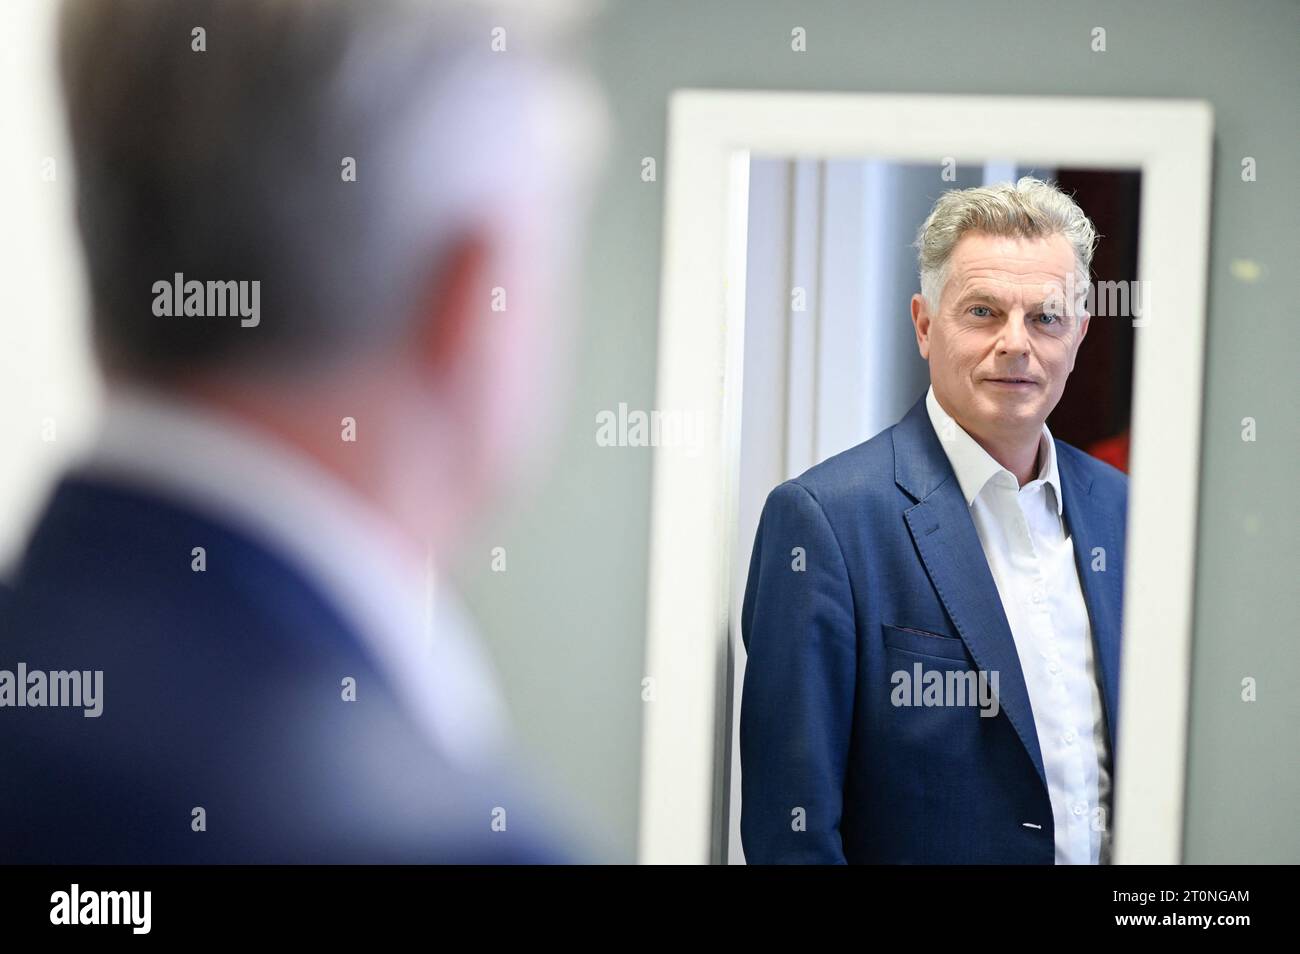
1005 337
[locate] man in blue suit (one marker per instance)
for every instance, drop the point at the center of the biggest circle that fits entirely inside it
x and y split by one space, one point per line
932 618
225 641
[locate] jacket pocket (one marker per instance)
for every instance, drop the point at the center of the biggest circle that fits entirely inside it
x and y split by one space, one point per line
919 641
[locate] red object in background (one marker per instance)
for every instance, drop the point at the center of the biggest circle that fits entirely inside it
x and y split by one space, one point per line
1113 450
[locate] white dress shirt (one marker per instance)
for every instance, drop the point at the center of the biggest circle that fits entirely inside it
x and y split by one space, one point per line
416 633
1032 561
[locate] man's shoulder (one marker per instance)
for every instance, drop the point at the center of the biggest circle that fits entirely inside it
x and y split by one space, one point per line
226 674
857 474
125 553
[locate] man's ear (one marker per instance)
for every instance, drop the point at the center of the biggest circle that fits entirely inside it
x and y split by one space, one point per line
458 295
921 324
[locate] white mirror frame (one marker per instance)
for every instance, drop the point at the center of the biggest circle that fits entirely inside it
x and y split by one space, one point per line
711 135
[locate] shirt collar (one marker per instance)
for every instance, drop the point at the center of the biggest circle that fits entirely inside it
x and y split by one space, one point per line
974 466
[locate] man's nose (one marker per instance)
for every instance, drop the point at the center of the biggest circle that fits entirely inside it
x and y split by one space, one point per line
1014 337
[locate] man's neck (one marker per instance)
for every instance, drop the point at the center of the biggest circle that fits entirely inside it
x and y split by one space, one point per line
1017 453
1019 457
310 426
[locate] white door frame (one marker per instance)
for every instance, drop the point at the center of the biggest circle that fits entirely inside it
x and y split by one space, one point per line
711 135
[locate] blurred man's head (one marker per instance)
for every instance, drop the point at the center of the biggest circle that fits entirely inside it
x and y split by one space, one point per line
999 316
405 192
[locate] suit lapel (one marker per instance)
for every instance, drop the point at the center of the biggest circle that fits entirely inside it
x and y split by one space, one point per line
945 536
1090 527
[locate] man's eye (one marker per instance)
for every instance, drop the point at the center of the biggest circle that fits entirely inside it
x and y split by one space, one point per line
985 307
1052 318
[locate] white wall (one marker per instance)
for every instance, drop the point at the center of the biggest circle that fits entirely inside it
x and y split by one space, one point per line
47 386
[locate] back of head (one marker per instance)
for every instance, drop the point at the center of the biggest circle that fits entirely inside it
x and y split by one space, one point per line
329 150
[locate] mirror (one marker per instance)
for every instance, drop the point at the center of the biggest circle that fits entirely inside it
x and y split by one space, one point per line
811 351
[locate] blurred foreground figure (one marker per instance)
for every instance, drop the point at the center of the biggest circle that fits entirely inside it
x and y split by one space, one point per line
328 246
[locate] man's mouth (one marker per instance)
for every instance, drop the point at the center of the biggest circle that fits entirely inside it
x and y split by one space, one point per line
1013 382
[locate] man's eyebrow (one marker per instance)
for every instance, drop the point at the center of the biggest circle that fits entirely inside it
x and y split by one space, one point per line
984 294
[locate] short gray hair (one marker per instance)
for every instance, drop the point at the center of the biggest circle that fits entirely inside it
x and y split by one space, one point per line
1031 208
226 164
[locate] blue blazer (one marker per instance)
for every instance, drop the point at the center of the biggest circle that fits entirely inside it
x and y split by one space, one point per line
221 691
895 576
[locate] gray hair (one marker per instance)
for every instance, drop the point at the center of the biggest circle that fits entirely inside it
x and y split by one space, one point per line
227 163
1031 208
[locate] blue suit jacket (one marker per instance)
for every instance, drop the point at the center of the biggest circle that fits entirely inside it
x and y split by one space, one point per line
221 690
895 576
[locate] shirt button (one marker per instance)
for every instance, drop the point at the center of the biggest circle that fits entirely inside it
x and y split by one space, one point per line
1078 809
1038 595
1069 736
1053 668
